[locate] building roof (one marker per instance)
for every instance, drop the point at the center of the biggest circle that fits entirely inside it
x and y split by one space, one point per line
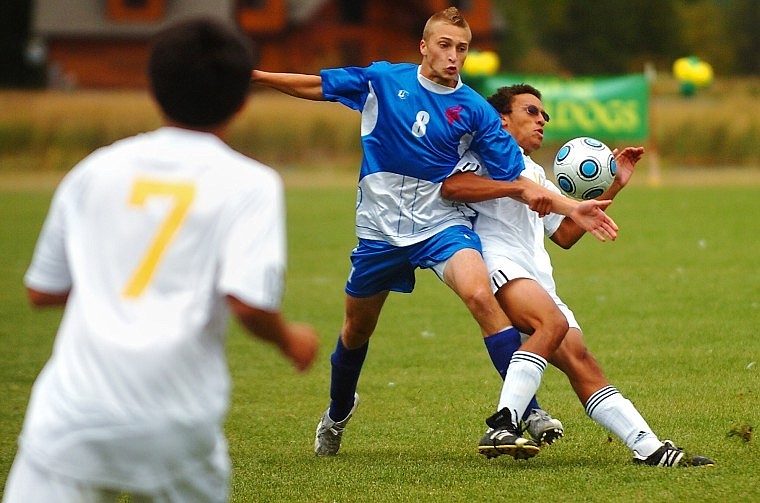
89 17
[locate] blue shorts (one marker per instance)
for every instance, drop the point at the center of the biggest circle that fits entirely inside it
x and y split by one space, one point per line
377 266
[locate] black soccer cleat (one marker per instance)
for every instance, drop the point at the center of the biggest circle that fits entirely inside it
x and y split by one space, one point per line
671 456
503 437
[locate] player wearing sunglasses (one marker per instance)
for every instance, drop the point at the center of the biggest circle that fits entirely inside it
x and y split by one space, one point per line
535 111
521 276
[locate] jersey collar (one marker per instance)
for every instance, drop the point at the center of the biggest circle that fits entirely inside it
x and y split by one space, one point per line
434 86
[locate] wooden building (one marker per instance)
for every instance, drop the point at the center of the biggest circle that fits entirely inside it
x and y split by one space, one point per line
104 43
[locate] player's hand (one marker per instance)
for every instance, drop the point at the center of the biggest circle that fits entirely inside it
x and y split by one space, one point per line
590 216
626 160
538 200
301 345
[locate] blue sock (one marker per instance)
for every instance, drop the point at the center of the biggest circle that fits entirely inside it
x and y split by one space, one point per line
501 346
346 367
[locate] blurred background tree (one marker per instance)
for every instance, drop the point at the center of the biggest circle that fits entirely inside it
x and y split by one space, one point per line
16 69
744 26
615 36
541 36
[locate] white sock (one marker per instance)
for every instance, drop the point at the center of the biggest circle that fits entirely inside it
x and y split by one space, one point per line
521 382
616 413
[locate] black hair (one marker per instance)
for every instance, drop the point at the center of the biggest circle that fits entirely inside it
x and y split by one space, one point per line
501 100
199 71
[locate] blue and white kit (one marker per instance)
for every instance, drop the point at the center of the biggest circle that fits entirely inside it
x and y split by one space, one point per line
414 132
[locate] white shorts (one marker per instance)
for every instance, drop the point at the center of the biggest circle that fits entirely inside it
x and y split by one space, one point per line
501 270
29 483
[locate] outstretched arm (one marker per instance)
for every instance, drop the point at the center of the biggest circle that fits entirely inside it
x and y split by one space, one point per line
589 215
296 341
295 84
569 232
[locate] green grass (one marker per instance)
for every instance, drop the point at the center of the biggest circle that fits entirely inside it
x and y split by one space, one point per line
671 310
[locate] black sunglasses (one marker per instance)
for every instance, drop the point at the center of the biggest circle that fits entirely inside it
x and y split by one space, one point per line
533 110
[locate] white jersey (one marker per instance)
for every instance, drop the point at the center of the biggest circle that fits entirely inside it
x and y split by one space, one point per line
150 234
513 235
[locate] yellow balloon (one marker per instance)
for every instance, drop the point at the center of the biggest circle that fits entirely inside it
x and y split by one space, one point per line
682 68
702 74
481 63
490 62
471 63
691 70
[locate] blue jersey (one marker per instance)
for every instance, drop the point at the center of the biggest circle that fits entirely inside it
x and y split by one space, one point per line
414 133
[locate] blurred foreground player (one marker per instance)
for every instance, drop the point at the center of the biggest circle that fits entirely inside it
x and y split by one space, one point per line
149 244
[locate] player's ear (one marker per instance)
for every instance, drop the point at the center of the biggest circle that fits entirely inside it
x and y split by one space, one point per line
423 47
504 120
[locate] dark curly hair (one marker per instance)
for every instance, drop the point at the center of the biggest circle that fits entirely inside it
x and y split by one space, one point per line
502 99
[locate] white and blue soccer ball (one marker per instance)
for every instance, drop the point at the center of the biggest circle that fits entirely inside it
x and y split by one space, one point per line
584 168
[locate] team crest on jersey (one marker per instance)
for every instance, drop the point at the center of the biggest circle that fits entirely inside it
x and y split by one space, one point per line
453 114
403 94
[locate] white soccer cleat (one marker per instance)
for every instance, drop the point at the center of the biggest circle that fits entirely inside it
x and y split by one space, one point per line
329 432
543 428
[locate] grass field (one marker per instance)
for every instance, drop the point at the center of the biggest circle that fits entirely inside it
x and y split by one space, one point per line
671 310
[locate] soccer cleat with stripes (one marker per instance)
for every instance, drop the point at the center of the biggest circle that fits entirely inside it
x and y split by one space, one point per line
329 433
543 428
671 456
503 437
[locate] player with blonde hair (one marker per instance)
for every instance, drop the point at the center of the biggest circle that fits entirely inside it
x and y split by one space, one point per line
416 123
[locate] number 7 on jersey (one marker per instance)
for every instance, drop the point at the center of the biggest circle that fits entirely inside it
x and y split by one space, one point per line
181 196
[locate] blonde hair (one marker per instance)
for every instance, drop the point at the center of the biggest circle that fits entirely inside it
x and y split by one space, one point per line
450 16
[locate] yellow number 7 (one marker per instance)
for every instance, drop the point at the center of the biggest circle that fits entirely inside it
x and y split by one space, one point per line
182 195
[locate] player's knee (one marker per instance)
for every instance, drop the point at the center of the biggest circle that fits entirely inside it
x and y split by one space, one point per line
558 325
355 335
552 325
481 302
553 330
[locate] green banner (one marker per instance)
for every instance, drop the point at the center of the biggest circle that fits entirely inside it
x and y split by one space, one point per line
606 108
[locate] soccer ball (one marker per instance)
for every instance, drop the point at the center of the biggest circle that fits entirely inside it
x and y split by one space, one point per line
584 168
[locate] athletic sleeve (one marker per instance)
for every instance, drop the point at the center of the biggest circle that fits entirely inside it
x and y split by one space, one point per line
348 86
49 270
254 254
497 149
